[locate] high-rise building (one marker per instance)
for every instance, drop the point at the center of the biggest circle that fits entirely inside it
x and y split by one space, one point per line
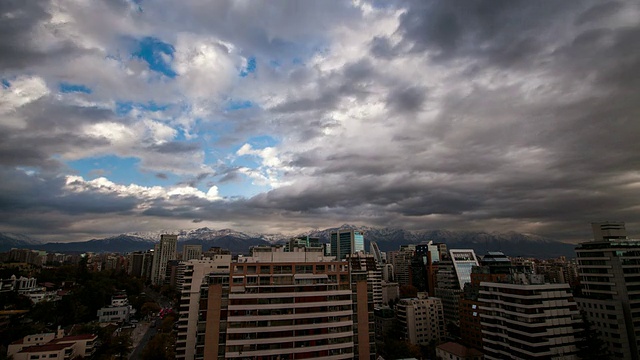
135 263
191 273
527 319
287 305
463 263
190 252
421 319
367 263
163 251
494 267
345 242
452 275
609 270
401 262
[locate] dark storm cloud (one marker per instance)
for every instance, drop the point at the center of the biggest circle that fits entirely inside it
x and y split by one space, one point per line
598 11
498 32
50 128
407 100
23 193
162 176
326 100
20 22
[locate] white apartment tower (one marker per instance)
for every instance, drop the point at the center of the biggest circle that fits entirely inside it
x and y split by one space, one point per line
609 271
528 321
163 251
285 305
189 278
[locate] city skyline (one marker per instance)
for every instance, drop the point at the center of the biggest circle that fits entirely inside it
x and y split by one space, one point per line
134 116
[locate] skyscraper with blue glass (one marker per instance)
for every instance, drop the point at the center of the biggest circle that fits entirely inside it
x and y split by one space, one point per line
346 242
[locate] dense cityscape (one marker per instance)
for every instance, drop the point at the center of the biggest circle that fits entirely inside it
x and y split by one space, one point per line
307 299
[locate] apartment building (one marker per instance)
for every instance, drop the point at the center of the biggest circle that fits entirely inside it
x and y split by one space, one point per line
422 319
527 319
189 278
609 270
286 305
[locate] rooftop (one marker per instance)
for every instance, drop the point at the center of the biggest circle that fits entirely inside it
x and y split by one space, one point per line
459 349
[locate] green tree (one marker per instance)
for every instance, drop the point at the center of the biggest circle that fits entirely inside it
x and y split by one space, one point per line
590 345
121 346
159 348
149 307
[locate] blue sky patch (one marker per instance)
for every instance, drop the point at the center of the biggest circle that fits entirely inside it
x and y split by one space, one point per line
6 84
238 105
124 107
155 52
262 141
123 171
73 88
251 67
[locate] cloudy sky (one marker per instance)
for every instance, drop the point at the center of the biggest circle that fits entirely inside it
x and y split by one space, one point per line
281 116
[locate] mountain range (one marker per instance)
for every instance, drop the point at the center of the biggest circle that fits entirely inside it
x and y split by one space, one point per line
388 239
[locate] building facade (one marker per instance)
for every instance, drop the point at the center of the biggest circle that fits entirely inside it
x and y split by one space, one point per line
286 305
163 251
368 264
528 321
190 252
190 276
609 270
421 319
346 242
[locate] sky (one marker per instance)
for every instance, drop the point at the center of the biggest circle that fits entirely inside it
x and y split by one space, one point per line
283 116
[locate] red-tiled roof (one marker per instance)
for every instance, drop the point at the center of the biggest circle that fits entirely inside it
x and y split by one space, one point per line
19 341
45 347
459 349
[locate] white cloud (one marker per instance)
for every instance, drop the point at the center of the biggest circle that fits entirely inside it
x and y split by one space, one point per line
103 185
23 90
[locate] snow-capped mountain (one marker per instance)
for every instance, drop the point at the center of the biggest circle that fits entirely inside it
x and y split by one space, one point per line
388 239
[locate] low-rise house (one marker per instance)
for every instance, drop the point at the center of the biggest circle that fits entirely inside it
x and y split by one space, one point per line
119 311
52 346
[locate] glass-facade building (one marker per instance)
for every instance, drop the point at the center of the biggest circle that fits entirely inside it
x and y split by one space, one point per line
463 262
346 242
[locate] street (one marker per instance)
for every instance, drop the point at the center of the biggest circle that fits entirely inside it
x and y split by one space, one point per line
140 336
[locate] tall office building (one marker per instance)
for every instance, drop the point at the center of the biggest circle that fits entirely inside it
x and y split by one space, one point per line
452 276
190 252
463 263
421 319
527 319
345 242
163 251
609 270
286 305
